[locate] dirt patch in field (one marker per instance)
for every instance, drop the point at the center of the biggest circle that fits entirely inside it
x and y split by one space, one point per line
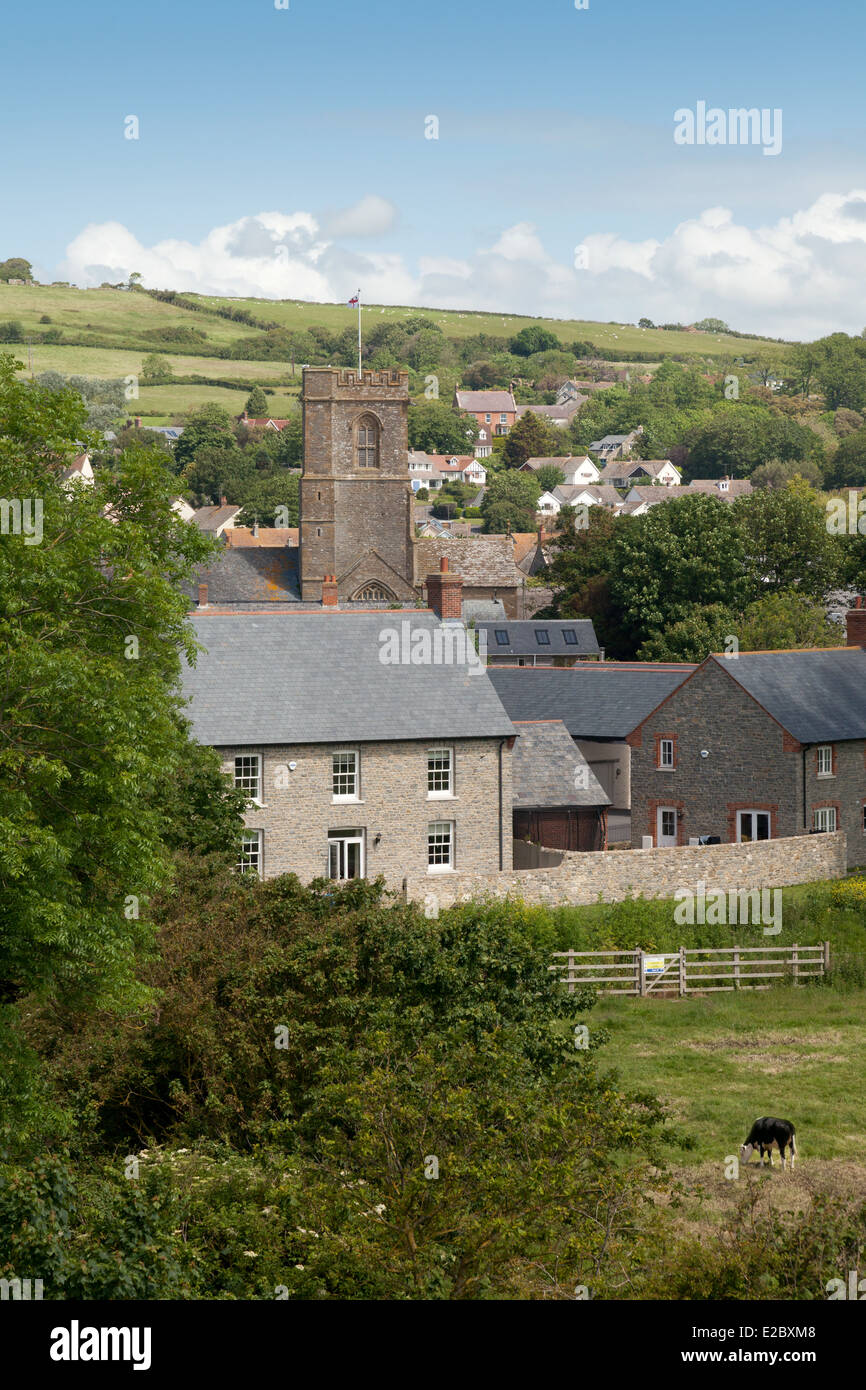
702 1199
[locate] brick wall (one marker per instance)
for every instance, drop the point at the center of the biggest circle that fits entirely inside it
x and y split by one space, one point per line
650 873
299 810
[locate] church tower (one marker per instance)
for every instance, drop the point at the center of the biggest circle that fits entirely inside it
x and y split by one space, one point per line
355 498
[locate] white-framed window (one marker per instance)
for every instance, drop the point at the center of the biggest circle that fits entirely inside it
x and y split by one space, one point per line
248 776
825 759
487 418
753 825
825 818
440 772
345 854
440 845
250 858
666 753
345 782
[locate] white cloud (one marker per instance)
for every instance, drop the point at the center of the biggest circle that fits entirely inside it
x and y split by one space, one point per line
798 277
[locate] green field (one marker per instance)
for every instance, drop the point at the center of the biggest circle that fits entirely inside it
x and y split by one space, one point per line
167 402
125 316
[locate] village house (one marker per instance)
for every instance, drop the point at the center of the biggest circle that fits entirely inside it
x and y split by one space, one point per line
433 470
757 745
600 704
625 473
495 412
360 753
540 642
263 422
216 520
559 415
616 446
550 503
575 469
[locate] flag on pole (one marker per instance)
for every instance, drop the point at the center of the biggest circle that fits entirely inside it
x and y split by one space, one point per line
354 300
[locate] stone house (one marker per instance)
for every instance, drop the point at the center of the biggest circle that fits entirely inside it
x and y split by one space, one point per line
757 746
368 742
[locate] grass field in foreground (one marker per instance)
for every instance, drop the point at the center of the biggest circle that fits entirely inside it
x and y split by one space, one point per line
720 1061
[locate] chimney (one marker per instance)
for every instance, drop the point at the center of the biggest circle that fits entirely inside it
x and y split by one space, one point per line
202 596
855 621
223 502
138 422
255 526
329 591
445 592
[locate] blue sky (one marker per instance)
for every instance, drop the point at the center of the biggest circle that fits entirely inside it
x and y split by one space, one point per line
555 121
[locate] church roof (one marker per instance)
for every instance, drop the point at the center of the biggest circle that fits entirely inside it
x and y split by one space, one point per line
483 561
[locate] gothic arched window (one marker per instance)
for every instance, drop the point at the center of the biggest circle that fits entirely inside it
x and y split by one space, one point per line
374 593
367 442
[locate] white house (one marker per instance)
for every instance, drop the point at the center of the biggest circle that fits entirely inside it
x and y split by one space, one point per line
575 469
628 472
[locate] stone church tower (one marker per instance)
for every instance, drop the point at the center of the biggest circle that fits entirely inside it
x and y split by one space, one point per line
355 499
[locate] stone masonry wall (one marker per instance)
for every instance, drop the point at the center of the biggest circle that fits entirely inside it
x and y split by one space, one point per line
650 873
299 811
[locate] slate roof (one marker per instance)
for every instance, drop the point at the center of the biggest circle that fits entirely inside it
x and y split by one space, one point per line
483 561
251 575
544 768
317 678
523 641
211 518
481 610
819 696
563 410
594 699
604 493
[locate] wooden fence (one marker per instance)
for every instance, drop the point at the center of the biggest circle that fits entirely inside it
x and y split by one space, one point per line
700 969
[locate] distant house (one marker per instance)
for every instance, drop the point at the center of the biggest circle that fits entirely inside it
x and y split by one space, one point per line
541 642
577 469
641 497
79 471
580 495
559 415
263 537
615 446
216 520
170 432
625 473
183 509
756 746
254 422
559 803
495 411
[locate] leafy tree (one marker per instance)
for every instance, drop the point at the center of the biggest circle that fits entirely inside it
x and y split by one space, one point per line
12 331
533 339
712 326
263 496
685 553
704 630
841 373
155 366
775 474
847 467
645 323
785 541
549 477
217 471
509 502
208 426
257 404
435 428
529 437
783 621
480 376
92 624
16 268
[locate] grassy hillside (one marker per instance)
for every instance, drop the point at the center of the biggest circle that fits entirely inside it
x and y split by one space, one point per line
296 314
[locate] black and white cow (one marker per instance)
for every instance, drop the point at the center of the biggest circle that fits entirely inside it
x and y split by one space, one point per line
767 1134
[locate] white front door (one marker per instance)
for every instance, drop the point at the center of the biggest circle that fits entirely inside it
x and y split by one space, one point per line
666 826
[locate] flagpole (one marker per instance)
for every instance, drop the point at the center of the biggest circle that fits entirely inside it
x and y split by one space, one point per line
359 335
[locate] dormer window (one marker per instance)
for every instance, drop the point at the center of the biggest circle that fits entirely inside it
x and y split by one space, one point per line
367 442
723 485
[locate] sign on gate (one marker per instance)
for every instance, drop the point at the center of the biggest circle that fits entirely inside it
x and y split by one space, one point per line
654 965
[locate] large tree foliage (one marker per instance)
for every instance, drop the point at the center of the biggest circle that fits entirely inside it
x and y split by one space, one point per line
531 437
509 502
92 624
435 428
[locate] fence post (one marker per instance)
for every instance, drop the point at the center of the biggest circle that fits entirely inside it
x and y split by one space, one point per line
682 981
736 967
641 972
794 961
571 972
826 957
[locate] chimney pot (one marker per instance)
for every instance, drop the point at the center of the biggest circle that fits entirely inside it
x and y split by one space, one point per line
223 502
443 565
855 623
329 591
202 596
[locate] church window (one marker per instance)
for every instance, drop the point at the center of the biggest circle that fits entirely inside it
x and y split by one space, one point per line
367 442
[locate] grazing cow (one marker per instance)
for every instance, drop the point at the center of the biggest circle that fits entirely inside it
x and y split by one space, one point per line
767 1134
